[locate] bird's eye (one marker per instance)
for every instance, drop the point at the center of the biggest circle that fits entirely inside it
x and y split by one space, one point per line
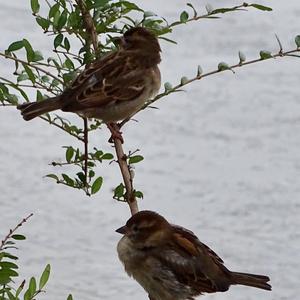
135 228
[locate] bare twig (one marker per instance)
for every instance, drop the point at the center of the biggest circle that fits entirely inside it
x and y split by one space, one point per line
126 175
12 231
86 154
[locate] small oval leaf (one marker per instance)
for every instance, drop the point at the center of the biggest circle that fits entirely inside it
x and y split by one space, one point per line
45 276
18 237
97 185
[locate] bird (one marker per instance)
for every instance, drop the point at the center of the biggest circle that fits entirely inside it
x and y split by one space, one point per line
171 263
111 88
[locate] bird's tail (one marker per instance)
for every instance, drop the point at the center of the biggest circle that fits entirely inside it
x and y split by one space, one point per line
258 281
31 110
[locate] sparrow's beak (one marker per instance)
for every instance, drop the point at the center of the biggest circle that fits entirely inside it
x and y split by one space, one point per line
122 230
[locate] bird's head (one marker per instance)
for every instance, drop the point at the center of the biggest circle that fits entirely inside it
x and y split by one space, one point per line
140 37
146 229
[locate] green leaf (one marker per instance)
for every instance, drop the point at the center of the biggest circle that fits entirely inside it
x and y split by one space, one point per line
139 194
38 56
29 50
184 16
265 54
53 10
100 3
68 180
35 6
22 77
44 23
44 277
53 176
8 255
20 288
69 77
29 73
261 7
97 185
297 40
69 64
58 40
119 191
15 46
70 297
9 272
81 176
27 295
107 156
242 57
184 80
62 20
10 295
168 86
32 285
199 70
69 154
223 66
18 237
67 44
8 265
135 159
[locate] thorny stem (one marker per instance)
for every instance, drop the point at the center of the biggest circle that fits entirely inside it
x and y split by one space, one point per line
32 66
12 231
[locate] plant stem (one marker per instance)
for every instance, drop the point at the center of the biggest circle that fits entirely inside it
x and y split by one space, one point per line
12 231
32 66
126 174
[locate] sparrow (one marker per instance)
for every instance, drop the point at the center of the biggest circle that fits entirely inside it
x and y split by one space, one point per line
170 262
113 87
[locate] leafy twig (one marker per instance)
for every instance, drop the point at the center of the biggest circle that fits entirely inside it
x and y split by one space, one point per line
200 76
12 231
32 66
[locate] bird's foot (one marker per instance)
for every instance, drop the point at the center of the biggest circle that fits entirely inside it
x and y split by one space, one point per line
115 132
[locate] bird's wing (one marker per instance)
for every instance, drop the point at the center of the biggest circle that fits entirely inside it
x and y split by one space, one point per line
115 77
195 263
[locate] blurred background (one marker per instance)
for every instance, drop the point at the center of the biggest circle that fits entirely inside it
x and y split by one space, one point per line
221 159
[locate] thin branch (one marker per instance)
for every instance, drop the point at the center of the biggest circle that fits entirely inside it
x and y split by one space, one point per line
126 174
210 15
86 153
88 24
178 87
32 66
62 128
12 231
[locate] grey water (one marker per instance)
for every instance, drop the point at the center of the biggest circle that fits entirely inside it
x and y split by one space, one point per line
221 159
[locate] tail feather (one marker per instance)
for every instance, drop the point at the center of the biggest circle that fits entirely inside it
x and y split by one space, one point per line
32 110
258 281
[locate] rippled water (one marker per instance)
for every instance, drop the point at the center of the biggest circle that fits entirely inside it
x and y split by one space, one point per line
222 159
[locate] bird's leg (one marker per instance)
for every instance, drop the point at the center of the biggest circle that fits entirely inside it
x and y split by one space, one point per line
115 132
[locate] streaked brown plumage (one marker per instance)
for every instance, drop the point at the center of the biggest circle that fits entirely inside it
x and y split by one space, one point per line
170 263
113 87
